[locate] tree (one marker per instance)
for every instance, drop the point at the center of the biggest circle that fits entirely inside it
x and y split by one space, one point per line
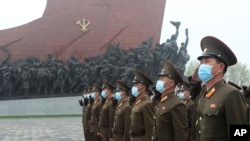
238 73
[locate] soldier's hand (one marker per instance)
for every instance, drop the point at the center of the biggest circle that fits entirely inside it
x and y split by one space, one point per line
110 139
98 134
195 76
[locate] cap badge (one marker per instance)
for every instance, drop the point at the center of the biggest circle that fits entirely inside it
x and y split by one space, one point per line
205 50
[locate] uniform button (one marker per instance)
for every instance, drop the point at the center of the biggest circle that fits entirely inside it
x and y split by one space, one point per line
199 131
200 118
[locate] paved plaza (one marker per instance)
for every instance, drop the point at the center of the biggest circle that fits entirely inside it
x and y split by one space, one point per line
41 129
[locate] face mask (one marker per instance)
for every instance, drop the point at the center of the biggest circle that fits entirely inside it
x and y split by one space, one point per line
205 72
160 86
104 94
93 95
118 96
181 95
135 91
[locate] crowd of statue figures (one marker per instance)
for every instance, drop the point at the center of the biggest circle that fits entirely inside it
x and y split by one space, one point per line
30 76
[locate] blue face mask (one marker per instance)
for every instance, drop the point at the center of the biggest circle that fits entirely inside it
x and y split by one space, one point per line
205 72
93 95
118 96
181 95
160 86
135 92
104 94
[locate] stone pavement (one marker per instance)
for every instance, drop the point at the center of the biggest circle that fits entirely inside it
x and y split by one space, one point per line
41 129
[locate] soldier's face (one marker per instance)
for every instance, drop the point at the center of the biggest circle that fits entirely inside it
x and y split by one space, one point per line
141 87
168 81
217 67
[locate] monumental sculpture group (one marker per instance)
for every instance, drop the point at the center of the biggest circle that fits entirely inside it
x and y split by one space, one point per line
31 77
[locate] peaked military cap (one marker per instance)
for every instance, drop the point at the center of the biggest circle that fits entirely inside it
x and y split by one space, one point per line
107 85
213 47
170 71
140 77
122 86
96 87
183 86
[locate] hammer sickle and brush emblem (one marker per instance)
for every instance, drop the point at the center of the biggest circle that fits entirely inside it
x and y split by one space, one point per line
84 24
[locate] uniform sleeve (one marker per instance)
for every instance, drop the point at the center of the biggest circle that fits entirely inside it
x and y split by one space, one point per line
148 113
180 121
111 120
127 120
192 112
235 109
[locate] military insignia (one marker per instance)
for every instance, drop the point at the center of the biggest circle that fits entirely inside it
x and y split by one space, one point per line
83 24
162 70
210 93
137 102
120 105
163 108
212 105
164 98
205 50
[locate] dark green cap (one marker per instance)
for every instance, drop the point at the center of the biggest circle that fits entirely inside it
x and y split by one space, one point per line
122 86
107 85
170 71
96 87
140 77
183 86
213 47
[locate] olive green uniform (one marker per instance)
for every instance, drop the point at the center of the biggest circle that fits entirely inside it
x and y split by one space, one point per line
191 113
86 122
142 120
171 119
95 111
220 107
122 122
107 120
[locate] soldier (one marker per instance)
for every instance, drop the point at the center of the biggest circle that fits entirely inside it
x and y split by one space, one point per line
95 112
122 114
83 101
107 112
170 113
184 95
87 117
142 111
219 104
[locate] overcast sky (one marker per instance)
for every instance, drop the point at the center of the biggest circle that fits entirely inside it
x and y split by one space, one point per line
229 20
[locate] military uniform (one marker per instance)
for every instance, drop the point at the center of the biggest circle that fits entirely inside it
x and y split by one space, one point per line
87 117
170 112
221 105
191 111
122 116
95 113
142 113
107 115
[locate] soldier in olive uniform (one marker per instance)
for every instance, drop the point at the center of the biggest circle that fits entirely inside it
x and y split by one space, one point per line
87 117
83 102
219 104
184 95
95 112
170 113
142 111
107 112
122 114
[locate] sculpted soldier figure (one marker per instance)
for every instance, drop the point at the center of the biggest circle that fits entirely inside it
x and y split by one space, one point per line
95 112
219 104
142 112
170 113
107 112
122 114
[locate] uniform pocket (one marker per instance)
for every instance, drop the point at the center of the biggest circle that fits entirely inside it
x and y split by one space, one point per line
211 111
